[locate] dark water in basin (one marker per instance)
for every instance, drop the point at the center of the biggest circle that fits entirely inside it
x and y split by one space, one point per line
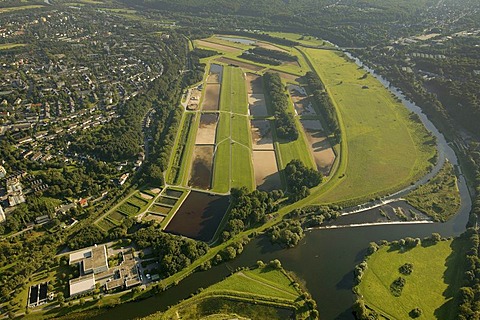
199 216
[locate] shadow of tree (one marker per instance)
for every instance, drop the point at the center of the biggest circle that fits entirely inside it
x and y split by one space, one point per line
453 277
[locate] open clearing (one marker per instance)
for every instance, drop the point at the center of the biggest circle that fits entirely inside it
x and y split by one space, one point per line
436 277
207 128
383 150
257 105
215 46
241 64
266 172
270 46
254 83
261 135
212 95
322 151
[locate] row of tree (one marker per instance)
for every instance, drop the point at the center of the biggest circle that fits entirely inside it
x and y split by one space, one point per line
323 101
286 128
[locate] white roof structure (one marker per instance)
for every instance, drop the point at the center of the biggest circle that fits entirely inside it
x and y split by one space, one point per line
82 284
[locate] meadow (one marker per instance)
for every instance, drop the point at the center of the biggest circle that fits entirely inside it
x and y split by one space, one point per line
382 148
436 278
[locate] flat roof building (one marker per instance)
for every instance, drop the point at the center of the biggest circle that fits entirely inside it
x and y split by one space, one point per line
82 285
92 260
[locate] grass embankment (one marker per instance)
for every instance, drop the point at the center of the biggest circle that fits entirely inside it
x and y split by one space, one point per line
383 147
440 197
176 173
432 285
263 293
233 164
27 7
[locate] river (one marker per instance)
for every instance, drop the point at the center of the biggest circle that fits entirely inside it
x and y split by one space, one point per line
326 257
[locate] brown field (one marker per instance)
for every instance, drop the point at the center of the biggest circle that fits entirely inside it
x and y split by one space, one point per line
243 65
212 97
302 103
160 209
257 105
288 76
155 190
146 196
213 78
261 135
254 84
154 217
206 130
270 46
321 149
265 167
201 175
216 46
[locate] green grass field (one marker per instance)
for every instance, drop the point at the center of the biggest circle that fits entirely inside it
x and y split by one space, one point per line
436 277
306 40
242 174
439 198
27 7
221 167
382 148
248 293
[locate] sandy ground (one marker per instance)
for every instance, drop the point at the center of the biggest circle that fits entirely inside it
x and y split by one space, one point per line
321 148
240 64
270 46
213 78
261 135
257 105
267 176
216 46
206 130
212 97
201 174
156 190
287 76
146 196
254 84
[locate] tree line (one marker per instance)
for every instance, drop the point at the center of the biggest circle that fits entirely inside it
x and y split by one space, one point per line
324 102
285 122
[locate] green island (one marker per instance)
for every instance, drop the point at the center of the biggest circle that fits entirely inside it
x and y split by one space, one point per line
439 198
408 275
266 292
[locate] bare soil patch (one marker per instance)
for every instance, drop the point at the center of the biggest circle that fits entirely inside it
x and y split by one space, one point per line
212 97
261 135
216 46
201 175
254 84
267 177
207 128
321 149
257 105
243 65
288 76
155 190
146 196
270 46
